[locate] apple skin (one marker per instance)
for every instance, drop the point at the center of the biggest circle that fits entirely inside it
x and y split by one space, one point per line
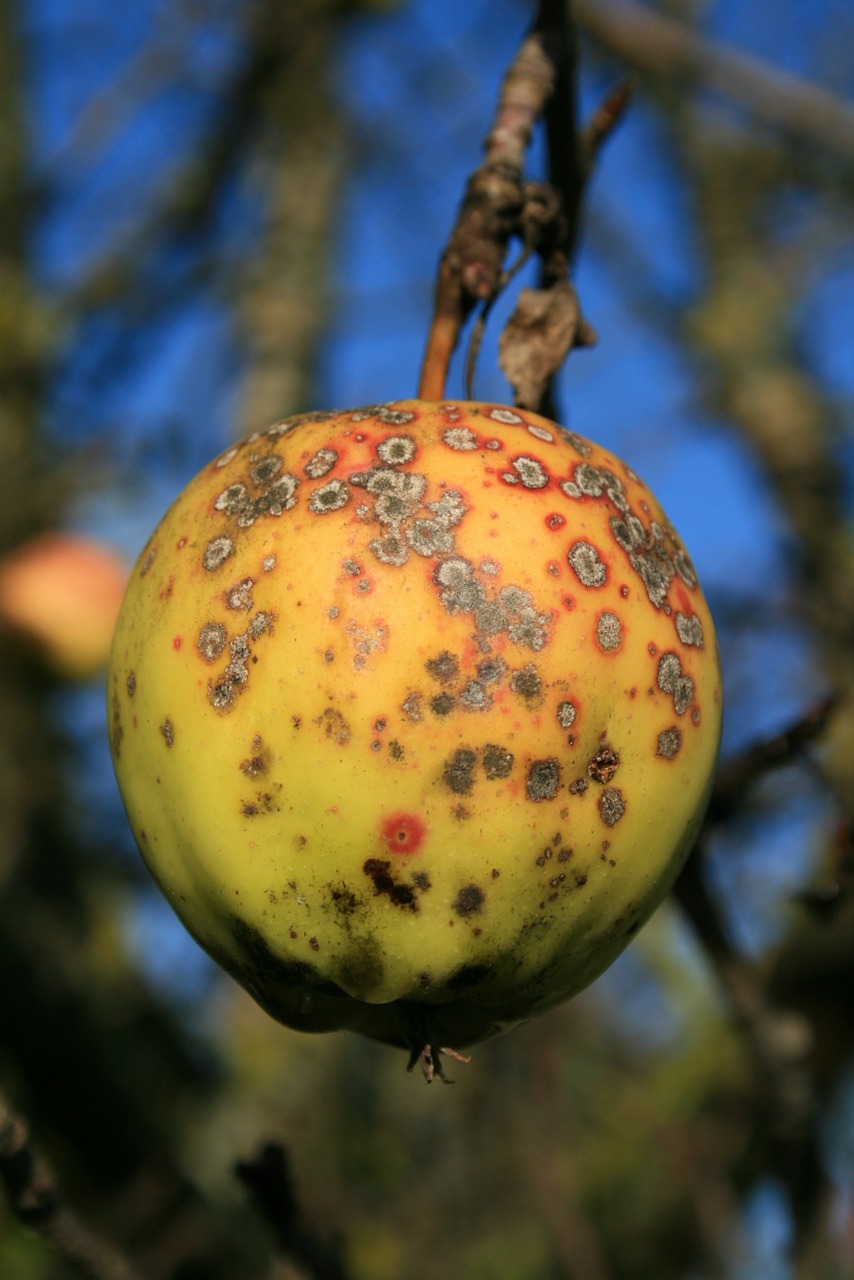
415 710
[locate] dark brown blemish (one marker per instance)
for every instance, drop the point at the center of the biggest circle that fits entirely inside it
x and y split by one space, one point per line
442 704
261 960
263 803
458 773
402 895
445 667
468 976
497 761
604 765
335 726
131 684
469 901
527 683
168 731
343 900
259 762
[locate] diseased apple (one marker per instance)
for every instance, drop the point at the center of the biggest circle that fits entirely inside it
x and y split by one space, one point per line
415 710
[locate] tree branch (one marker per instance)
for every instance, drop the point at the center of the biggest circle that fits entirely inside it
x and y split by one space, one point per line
269 1180
34 1198
660 45
499 205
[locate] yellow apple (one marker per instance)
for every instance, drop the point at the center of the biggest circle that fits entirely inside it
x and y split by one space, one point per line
415 710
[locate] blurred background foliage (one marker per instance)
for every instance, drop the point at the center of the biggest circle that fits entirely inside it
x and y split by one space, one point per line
215 213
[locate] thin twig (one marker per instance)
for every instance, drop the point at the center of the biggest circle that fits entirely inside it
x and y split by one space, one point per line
34 1198
738 775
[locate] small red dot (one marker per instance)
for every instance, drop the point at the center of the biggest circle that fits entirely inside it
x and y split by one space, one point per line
403 832
177 642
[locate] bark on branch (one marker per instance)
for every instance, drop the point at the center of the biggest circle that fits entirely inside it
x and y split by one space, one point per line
34 1197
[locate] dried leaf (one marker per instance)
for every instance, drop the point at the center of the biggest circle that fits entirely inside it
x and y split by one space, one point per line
543 328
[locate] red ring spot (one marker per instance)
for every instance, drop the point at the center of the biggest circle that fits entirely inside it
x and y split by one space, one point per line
403 832
554 520
177 642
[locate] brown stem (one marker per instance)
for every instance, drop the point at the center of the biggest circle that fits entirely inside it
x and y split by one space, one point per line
472 263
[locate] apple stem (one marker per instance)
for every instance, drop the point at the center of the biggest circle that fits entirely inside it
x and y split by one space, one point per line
441 341
499 205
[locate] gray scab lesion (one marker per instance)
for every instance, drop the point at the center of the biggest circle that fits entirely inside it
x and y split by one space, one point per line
611 806
217 551
653 552
277 493
544 778
412 707
239 596
147 561
445 667
332 496
167 729
224 689
586 563
469 901
212 640
609 631
672 680
321 463
689 628
527 471
511 609
669 743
